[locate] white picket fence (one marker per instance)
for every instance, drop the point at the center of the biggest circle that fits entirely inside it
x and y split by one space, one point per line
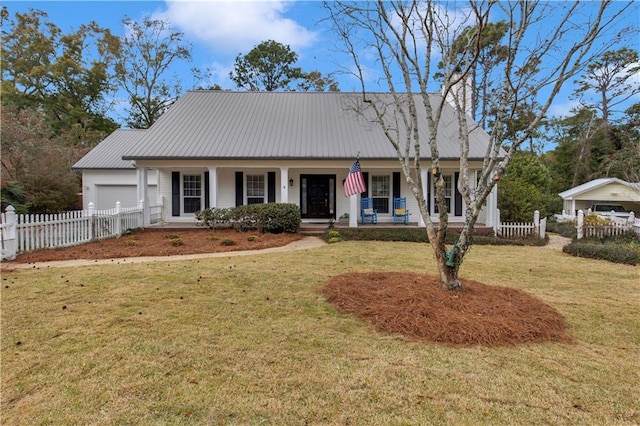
520 230
614 228
21 233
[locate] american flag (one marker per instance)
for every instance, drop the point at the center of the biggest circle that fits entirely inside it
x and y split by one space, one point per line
354 184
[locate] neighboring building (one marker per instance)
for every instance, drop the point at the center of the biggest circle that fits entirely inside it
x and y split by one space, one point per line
601 191
223 149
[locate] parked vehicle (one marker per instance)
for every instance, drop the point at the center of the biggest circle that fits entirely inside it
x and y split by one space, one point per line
607 209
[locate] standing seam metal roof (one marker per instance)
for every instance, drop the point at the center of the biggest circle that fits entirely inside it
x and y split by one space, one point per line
108 153
285 125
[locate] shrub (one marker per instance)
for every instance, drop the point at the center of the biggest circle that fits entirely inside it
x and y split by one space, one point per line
228 242
270 217
566 229
333 237
616 253
278 217
176 241
252 238
420 236
214 217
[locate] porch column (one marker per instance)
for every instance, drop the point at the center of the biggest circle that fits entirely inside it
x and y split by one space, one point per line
143 194
284 184
353 211
492 206
213 187
425 193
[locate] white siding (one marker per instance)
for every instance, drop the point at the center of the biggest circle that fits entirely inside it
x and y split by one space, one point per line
108 181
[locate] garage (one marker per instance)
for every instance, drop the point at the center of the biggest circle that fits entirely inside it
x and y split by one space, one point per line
108 195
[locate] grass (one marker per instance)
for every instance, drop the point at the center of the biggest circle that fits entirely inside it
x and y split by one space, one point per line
250 340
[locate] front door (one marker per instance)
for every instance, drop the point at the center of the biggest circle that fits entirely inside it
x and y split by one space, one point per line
318 196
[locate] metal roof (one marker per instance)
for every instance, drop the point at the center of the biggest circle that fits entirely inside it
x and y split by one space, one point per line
283 125
593 184
108 153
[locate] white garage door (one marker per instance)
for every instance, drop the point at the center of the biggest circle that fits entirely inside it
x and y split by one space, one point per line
108 195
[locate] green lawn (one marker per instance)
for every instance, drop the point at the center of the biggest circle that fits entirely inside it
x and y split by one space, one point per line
250 340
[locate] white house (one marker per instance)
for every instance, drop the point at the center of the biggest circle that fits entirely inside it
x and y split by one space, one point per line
224 149
601 191
107 178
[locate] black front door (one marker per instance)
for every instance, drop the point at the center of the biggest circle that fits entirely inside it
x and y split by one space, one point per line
318 196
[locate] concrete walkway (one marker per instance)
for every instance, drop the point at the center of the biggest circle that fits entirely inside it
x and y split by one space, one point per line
303 244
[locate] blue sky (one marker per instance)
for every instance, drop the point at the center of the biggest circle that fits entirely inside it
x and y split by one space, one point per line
218 31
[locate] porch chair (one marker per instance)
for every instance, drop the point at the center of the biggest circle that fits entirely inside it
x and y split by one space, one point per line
400 212
367 213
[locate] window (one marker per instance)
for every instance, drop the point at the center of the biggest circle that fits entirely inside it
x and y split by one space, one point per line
255 189
192 193
380 192
448 193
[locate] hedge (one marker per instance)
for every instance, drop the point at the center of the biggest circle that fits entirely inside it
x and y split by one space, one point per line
616 253
271 217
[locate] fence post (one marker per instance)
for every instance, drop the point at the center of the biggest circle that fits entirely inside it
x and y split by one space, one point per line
580 224
497 224
142 222
9 236
118 219
91 212
536 221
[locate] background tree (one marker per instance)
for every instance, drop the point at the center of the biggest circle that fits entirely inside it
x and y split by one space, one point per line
269 67
35 163
525 188
148 51
63 75
489 54
314 81
54 88
611 79
625 161
405 36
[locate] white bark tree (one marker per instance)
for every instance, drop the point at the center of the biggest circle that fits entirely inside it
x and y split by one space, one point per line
548 44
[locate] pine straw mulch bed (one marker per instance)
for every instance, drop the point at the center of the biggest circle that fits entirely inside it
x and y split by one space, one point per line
163 242
417 307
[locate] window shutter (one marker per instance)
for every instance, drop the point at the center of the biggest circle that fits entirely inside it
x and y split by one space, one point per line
396 184
457 196
271 187
207 200
175 193
365 175
239 188
429 193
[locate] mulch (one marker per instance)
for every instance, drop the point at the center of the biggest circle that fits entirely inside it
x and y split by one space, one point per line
415 306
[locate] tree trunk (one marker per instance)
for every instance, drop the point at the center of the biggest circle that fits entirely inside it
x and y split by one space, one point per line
449 276
448 269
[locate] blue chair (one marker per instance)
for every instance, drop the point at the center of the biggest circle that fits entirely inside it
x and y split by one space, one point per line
367 213
400 212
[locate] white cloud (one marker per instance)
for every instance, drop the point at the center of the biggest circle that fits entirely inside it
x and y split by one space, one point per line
563 109
235 27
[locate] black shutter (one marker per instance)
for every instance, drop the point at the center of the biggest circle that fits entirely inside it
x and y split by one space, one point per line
271 187
396 184
458 196
207 200
429 193
365 194
175 193
239 188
